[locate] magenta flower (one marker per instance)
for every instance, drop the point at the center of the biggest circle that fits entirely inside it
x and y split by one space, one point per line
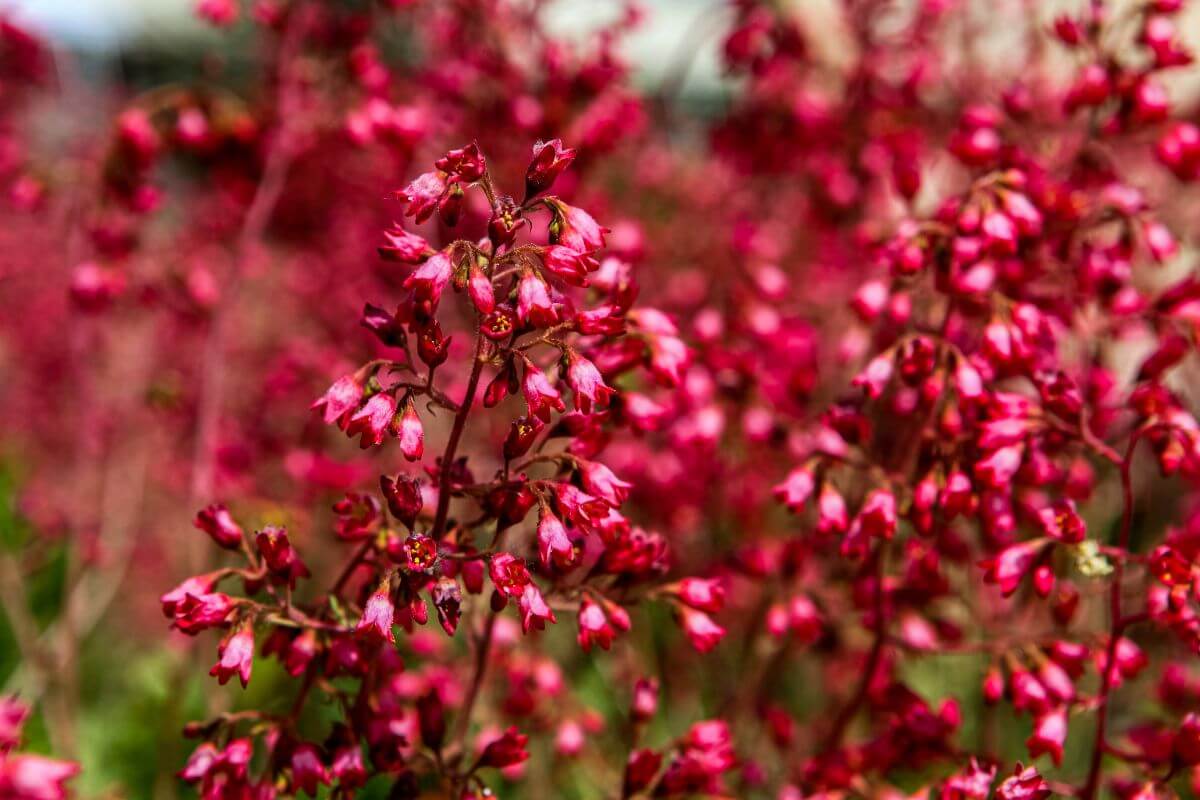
795 490
533 302
972 783
541 398
375 625
1049 734
193 613
405 247
600 481
479 286
373 421
593 626
217 522
509 574
403 497
235 657
412 433
422 195
700 630
877 517
308 770
25 776
534 611
505 751
1012 564
340 400
549 160
429 280
591 392
568 265
703 594
1062 522
554 545
467 162
578 231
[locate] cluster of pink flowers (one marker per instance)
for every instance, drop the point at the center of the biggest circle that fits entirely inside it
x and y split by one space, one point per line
549 316
838 442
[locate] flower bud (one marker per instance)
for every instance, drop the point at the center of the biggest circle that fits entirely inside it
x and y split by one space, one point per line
217 522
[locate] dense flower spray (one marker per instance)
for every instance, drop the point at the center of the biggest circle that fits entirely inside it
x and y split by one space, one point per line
840 441
530 319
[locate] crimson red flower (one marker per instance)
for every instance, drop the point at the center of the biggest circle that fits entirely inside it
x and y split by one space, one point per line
505 751
549 161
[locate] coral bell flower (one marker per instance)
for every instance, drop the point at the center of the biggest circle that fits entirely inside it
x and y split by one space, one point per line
281 558
348 767
591 392
412 434
25 776
973 783
479 287
599 481
576 229
878 514
465 162
569 266
703 594
1062 522
1049 733
832 517
1187 741
533 302
308 771
217 522
428 281
521 436
373 421
534 611
645 700
404 498
509 574
340 400
236 657
640 770
1008 568
795 490
376 623
554 546
505 751
540 396
549 160
405 247
593 626
701 631
195 613
447 601
422 195
1024 784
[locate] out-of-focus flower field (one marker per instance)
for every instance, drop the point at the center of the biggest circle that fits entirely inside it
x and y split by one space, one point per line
600 400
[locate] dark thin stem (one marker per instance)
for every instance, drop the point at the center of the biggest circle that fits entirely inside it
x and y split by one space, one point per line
462 723
1117 625
838 732
460 422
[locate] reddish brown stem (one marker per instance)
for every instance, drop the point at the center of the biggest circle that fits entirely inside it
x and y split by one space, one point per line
462 723
1116 626
838 732
460 422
